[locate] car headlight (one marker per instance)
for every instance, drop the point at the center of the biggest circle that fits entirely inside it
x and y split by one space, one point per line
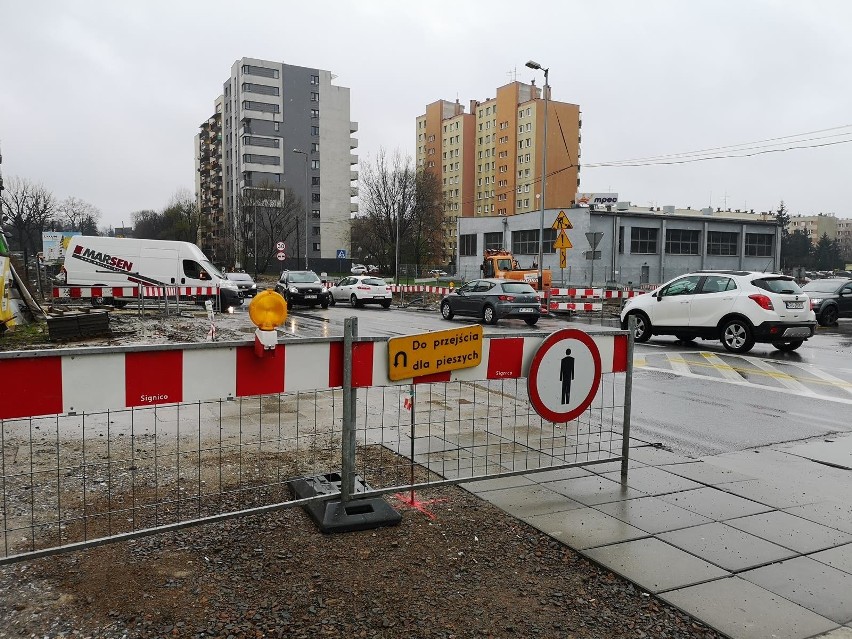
293 289
323 290
254 285
231 286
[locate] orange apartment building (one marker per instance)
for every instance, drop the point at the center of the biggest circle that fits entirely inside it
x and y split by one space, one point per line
489 160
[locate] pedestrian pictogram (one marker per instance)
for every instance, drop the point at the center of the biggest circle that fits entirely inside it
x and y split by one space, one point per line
564 375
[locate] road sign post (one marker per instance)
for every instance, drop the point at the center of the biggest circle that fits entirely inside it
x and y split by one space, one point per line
594 239
564 375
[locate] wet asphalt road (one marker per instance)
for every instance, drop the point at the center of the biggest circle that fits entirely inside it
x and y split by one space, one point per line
697 399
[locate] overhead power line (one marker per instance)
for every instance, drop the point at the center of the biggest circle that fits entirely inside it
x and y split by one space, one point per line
745 149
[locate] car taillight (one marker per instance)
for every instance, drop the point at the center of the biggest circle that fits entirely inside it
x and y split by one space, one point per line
506 298
762 301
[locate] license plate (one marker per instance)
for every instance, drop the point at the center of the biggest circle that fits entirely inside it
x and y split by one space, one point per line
795 305
526 310
310 297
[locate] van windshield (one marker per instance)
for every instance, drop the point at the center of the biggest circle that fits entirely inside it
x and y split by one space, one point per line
208 266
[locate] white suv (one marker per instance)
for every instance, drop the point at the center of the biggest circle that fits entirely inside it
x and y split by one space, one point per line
737 307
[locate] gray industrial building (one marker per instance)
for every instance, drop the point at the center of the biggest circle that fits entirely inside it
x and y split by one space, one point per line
638 245
285 126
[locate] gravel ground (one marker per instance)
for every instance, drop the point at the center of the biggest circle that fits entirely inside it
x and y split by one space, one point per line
461 569
457 568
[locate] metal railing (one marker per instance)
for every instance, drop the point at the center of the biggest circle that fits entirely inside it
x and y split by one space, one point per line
72 481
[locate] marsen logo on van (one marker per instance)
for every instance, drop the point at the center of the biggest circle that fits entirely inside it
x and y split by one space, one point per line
102 259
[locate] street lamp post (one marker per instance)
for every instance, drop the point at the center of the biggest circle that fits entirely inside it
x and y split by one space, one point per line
307 195
535 65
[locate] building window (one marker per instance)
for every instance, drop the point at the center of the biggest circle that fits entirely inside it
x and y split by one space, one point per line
643 240
314 130
314 164
722 243
316 246
315 230
314 79
526 242
266 107
758 245
315 214
314 113
314 96
682 242
493 241
467 245
261 71
260 88
256 141
261 159
315 181
315 197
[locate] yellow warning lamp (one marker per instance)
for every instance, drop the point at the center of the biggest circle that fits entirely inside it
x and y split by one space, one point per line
268 310
452 285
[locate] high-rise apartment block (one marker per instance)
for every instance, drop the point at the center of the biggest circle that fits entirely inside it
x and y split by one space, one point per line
278 126
490 159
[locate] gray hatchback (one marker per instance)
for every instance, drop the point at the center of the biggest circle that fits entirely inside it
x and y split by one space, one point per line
493 299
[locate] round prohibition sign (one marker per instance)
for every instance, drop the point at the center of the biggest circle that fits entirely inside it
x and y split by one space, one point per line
564 375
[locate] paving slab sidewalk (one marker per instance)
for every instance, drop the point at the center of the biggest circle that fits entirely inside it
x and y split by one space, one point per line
754 544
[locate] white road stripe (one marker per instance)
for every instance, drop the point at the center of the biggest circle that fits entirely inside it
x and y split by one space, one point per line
787 380
831 379
726 370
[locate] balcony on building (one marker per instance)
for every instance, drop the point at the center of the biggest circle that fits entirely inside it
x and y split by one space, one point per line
353 207
353 176
353 191
353 143
353 127
353 158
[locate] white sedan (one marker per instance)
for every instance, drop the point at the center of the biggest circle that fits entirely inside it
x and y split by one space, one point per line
361 289
358 269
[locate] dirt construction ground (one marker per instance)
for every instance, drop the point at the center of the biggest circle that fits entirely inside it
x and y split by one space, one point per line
455 567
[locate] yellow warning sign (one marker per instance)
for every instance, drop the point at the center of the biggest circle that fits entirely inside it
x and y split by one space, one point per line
562 242
561 222
436 352
563 261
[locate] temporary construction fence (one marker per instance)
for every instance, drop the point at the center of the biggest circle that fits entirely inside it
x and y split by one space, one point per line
108 444
99 295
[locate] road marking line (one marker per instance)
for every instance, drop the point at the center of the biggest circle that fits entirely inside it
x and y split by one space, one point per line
678 363
727 371
787 380
821 377
742 382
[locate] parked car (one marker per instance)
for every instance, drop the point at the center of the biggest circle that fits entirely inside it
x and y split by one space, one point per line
361 289
302 287
437 273
493 299
737 307
830 299
372 269
245 284
358 269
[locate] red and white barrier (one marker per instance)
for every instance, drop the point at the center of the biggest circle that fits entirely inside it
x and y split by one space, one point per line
420 288
82 292
100 379
592 293
576 306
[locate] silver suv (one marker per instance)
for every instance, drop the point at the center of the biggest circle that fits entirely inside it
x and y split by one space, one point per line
737 307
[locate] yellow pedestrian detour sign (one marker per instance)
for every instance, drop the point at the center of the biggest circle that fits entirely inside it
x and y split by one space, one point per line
436 352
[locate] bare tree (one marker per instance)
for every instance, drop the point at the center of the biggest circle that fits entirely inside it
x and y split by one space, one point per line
79 215
26 209
387 193
402 218
267 215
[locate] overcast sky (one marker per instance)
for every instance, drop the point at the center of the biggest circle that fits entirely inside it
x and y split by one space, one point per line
101 100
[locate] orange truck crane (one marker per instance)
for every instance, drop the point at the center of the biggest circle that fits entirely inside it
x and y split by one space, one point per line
501 263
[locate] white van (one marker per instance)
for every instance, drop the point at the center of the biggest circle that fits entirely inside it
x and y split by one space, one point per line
115 261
